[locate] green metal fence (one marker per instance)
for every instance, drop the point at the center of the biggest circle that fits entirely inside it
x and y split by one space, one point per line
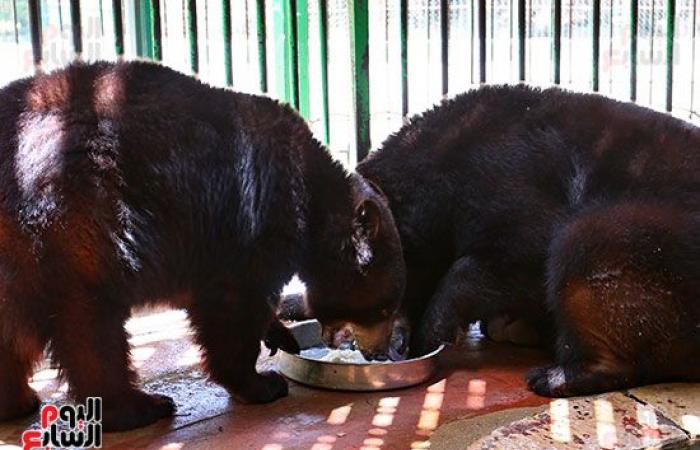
355 69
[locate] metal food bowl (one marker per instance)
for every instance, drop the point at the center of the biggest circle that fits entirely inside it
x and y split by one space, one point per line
348 376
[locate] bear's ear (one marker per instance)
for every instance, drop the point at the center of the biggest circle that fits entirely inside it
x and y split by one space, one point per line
368 219
367 226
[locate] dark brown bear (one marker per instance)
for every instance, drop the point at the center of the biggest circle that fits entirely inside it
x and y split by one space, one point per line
568 209
123 184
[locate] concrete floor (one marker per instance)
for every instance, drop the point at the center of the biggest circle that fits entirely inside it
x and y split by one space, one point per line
463 406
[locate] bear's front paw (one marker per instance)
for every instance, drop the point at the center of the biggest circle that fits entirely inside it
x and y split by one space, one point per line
263 388
135 411
279 336
548 381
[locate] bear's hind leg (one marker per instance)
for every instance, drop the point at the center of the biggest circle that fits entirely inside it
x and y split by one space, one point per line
622 282
90 345
17 399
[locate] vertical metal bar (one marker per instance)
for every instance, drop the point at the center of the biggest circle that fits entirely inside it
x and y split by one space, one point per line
403 42
323 50
692 65
651 51
262 43
670 33
482 41
76 27
193 35
596 45
557 41
471 42
14 20
634 27
35 30
444 42
102 20
359 31
610 42
226 27
521 40
291 31
60 16
156 30
118 27
302 54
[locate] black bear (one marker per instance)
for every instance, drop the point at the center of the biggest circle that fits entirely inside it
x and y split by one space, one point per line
573 211
128 183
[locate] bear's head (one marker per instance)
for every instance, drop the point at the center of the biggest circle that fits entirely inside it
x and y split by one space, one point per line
356 288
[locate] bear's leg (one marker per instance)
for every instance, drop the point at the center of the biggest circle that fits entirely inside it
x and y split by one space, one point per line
229 325
465 294
622 283
17 399
90 345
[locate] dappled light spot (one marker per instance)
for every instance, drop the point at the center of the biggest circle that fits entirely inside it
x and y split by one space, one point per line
339 415
476 394
140 355
432 403
691 423
420 445
383 418
173 446
646 416
324 442
192 356
605 424
377 432
560 425
272 447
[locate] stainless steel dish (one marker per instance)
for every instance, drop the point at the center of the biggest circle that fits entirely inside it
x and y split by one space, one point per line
345 376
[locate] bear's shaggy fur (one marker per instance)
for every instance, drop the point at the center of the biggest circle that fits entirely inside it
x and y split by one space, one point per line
129 183
575 211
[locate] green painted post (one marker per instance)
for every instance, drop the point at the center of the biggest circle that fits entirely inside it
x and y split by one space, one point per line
143 28
285 51
118 28
262 43
156 38
192 35
76 27
596 45
403 42
634 27
359 36
35 31
670 33
302 54
226 27
323 50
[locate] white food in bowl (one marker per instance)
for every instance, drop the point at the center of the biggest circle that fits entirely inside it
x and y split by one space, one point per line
337 355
